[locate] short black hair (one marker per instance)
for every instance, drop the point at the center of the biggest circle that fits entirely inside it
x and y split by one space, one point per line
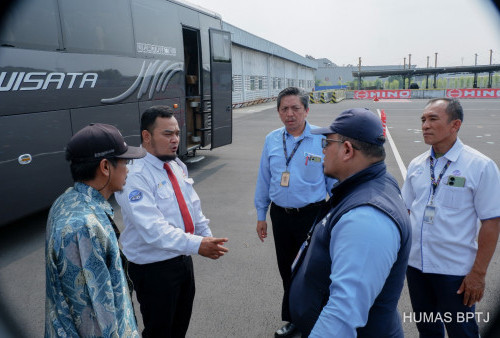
148 118
304 98
368 149
453 109
86 171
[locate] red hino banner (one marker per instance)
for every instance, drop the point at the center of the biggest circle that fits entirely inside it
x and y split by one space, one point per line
474 93
382 94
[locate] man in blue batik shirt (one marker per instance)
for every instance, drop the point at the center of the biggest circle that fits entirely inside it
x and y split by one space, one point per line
291 180
86 287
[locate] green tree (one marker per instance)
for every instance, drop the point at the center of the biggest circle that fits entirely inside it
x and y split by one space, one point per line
394 84
353 84
462 82
481 83
470 82
391 78
495 81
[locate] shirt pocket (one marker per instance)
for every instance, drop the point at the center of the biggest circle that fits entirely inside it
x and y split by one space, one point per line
455 197
165 199
165 193
188 181
312 170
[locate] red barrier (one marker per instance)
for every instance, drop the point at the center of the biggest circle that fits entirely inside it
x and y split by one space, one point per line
474 93
382 94
383 118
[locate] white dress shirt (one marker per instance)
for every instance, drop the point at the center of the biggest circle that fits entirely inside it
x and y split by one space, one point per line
449 245
154 228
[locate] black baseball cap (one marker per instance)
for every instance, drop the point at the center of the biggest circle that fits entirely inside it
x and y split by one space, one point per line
97 141
358 123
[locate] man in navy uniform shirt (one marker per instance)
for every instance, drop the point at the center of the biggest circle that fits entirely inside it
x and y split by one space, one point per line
348 280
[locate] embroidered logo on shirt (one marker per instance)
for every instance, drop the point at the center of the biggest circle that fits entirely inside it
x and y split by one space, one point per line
456 172
162 183
419 171
135 196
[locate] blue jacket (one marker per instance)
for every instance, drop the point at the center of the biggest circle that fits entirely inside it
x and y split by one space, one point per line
309 290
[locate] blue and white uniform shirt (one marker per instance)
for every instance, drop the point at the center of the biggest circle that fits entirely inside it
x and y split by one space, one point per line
307 184
449 245
154 227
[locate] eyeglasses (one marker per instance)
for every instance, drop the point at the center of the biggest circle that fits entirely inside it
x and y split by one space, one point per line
326 141
124 161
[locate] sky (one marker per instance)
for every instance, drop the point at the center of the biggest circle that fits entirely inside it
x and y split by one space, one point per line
381 32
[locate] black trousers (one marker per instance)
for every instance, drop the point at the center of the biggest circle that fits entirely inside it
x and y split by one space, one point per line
432 293
165 291
290 228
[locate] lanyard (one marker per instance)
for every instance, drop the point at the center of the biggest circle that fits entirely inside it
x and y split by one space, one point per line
288 159
435 183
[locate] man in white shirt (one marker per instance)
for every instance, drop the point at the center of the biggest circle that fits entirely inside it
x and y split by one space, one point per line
164 225
448 189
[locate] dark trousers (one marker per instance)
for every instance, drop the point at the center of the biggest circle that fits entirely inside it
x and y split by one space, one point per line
290 228
165 291
432 293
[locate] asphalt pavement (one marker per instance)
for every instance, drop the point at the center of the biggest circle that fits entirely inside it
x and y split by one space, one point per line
239 295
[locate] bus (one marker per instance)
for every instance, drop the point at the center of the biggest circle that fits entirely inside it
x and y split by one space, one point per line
67 63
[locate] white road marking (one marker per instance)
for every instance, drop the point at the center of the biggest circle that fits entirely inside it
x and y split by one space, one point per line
395 151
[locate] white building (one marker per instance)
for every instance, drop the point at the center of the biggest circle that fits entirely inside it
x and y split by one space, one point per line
261 69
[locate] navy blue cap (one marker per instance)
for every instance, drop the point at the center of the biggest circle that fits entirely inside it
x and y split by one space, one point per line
97 141
358 123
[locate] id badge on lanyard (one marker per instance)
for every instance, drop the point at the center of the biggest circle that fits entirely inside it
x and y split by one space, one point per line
285 175
430 212
430 209
285 178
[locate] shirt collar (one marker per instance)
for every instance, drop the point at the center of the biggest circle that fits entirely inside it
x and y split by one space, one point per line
93 197
342 188
451 154
305 133
155 161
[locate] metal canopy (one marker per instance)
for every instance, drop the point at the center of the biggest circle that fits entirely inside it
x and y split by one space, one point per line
429 71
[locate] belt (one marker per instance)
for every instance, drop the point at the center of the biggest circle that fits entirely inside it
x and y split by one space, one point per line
298 210
166 262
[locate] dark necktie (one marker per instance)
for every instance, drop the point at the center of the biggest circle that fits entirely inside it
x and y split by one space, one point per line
186 217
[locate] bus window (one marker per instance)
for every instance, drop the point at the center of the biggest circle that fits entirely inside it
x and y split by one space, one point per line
97 26
221 47
31 24
156 27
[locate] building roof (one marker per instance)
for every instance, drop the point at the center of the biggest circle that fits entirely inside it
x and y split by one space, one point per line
249 40
197 8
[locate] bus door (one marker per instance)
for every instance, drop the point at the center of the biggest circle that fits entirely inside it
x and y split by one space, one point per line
195 121
221 80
